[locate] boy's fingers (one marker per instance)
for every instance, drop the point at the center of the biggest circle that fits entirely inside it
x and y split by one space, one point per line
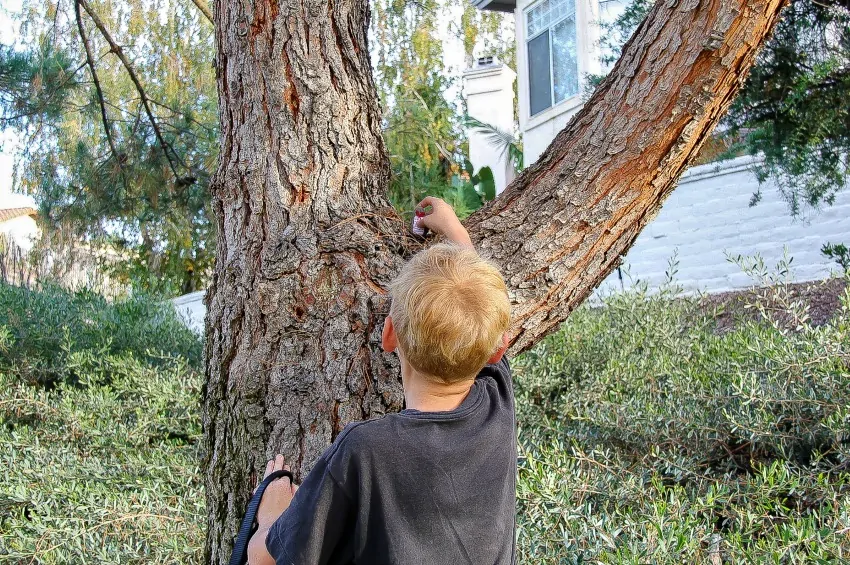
278 462
269 468
432 201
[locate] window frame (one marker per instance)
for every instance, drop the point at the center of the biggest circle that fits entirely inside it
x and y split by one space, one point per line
548 29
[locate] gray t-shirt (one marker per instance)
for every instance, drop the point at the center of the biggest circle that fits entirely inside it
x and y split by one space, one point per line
412 488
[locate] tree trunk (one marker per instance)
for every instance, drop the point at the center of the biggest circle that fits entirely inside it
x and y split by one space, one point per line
307 241
306 245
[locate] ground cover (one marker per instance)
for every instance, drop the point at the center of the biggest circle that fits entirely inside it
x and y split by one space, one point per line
653 429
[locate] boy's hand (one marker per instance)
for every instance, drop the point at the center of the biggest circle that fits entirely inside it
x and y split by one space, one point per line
276 499
277 496
443 220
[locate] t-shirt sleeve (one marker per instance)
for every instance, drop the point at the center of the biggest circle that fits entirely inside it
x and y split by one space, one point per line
317 527
501 373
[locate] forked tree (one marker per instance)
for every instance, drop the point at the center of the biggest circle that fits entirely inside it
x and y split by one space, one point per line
307 240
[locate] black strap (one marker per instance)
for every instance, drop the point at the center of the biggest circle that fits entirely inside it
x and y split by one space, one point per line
240 548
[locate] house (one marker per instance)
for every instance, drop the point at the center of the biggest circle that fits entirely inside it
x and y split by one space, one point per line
18 225
70 263
557 44
707 219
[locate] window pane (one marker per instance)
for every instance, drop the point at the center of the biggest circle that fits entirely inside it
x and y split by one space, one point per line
564 60
537 18
539 83
560 9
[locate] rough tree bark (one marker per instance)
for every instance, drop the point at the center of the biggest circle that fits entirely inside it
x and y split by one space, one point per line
308 242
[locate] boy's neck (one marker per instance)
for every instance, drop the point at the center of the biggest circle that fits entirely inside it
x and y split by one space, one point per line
424 394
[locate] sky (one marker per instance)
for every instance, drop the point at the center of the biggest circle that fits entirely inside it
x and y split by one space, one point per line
8 34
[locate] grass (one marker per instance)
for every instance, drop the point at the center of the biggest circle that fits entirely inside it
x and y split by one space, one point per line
646 436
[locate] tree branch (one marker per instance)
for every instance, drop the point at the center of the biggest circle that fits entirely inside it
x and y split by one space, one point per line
205 9
128 66
565 223
90 61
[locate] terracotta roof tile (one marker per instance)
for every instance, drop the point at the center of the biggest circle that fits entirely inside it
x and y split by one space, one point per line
7 214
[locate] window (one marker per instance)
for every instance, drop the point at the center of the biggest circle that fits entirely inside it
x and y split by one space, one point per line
552 53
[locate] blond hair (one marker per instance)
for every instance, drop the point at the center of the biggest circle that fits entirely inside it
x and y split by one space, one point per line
449 308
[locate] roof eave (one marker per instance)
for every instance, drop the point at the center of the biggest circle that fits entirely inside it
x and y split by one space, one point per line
495 5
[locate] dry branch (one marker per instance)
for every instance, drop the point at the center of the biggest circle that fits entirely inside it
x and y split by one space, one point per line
131 71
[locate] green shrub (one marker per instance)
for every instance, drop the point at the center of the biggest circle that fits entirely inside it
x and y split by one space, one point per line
48 324
648 437
99 462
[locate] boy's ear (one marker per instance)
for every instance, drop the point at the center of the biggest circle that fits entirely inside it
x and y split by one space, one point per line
389 339
499 352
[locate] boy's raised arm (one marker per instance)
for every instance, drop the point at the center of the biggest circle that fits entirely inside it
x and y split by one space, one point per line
443 220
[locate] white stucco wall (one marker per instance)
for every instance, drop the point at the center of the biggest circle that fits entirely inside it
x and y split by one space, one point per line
191 308
489 93
23 230
709 215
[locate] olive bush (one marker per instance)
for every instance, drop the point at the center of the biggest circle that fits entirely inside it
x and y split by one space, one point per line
649 437
647 433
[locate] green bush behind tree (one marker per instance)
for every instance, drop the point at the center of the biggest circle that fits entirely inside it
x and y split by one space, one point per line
99 431
646 434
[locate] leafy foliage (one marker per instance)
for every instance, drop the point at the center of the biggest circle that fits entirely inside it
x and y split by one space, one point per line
34 84
503 141
647 436
100 463
470 190
423 130
793 107
839 253
44 324
119 152
422 139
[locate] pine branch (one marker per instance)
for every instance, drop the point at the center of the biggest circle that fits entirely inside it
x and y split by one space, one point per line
107 128
205 9
131 71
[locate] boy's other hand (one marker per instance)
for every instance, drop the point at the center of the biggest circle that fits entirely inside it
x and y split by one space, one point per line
277 496
443 220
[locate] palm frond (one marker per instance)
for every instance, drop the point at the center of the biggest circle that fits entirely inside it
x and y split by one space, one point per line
504 141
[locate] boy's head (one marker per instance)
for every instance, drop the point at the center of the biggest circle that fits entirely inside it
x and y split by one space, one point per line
449 312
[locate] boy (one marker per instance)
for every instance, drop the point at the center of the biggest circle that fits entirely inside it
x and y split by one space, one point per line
435 483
